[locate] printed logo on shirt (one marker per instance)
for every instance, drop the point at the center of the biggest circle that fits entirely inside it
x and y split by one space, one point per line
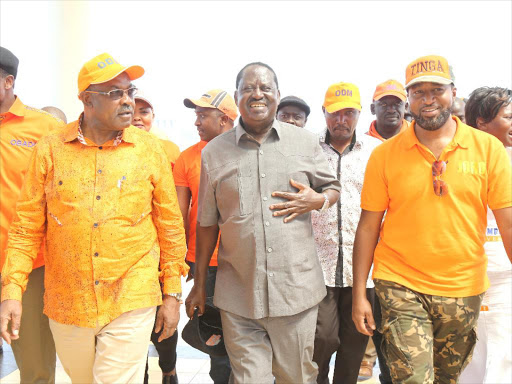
23 143
472 167
492 234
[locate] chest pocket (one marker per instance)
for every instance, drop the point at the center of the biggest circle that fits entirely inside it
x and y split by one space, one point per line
234 192
134 199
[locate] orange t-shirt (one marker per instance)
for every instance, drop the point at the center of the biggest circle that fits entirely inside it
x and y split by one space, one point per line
187 173
373 130
431 244
21 127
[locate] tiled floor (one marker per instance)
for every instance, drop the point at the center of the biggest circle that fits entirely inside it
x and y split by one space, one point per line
192 365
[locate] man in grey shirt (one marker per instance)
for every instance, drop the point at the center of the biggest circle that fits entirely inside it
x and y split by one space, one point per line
259 183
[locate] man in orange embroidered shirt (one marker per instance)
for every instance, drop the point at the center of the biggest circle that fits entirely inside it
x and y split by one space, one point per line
21 127
143 118
110 224
215 114
435 182
388 106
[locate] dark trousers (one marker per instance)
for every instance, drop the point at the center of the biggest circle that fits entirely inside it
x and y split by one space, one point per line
336 332
220 368
34 351
385 376
166 352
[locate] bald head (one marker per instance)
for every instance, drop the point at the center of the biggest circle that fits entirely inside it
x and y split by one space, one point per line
56 112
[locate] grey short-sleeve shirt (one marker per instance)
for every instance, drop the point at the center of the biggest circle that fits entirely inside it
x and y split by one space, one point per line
266 267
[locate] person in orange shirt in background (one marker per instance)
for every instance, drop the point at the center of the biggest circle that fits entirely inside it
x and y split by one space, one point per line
143 118
113 230
434 182
21 127
215 113
389 106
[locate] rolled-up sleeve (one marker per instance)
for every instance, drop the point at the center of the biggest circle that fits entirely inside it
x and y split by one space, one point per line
27 230
169 226
207 212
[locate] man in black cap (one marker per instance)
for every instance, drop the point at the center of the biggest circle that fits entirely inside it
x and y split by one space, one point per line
21 128
293 110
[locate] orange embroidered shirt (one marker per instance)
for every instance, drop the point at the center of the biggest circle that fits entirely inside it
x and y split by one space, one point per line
373 130
111 218
187 173
21 127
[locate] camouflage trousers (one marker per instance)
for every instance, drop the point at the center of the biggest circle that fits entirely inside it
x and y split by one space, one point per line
426 338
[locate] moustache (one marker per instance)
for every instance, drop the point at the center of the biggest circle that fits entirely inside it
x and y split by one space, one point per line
125 108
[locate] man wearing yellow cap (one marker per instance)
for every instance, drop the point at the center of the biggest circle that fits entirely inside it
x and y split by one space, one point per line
435 182
215 114
110 225
334 230
388 106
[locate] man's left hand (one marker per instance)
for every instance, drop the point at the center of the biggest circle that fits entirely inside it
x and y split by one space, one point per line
167 317
298 203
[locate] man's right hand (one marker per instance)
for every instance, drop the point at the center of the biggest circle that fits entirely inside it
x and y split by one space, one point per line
195 299
362 316
10 319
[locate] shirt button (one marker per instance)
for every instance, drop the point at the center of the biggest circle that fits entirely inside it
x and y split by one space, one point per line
98 197
96 282
95 225
96 254
100 147
269 250
271 274
60 182
99 170
263 175
267 223
261 152
265 198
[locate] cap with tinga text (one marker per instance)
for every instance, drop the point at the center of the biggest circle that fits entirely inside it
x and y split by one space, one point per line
341 96
431 69
103 68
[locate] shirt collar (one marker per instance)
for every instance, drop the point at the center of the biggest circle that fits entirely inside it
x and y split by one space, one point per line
17 108
74 132
459 139
240 130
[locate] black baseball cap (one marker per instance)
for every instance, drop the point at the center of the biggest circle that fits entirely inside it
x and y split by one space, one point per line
296 101
8 62
205 332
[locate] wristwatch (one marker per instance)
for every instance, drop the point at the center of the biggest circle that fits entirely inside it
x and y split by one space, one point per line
177 296
326 203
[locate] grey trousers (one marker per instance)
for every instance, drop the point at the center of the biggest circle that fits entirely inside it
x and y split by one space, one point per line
34 351
280 347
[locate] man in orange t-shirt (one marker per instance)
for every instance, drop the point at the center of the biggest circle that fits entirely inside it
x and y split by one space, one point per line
21 127
435 182
215 113
389 106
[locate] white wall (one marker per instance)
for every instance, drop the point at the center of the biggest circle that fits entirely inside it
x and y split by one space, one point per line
190 47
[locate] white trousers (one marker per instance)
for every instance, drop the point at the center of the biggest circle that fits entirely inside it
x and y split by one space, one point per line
114 353
492 358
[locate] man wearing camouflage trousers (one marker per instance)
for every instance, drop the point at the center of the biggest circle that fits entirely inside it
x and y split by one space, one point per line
434 181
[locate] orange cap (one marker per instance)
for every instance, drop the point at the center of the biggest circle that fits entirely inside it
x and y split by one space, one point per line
341 96
104 68
432 69
390 88
216 98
